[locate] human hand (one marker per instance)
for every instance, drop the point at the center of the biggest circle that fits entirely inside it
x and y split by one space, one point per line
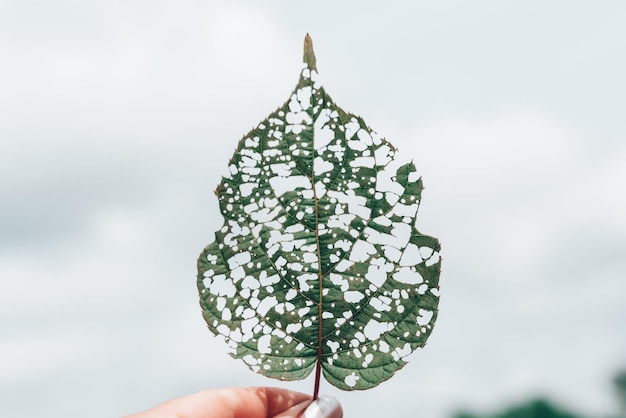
260 402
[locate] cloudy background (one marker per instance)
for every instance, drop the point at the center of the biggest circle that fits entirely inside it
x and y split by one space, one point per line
118 117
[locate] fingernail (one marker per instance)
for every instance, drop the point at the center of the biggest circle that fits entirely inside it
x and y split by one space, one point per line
323 407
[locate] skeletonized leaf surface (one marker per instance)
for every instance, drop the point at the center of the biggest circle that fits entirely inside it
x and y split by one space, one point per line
318 249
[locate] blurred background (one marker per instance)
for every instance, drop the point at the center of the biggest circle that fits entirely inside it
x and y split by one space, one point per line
117 119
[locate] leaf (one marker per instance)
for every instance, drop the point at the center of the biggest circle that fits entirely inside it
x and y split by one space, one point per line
318 260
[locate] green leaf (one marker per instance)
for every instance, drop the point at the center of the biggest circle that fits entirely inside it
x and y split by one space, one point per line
318 260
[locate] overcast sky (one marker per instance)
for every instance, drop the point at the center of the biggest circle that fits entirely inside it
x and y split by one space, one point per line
117 119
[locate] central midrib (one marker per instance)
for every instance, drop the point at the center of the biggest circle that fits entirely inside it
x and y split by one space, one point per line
318 364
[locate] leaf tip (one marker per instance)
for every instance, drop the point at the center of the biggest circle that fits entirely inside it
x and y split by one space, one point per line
309 55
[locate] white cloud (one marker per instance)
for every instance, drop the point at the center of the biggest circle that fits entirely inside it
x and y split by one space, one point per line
468 156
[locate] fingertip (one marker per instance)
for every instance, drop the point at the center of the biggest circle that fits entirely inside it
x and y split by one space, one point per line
285 403
323 407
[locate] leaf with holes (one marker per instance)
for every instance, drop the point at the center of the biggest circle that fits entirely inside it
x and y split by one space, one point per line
318 263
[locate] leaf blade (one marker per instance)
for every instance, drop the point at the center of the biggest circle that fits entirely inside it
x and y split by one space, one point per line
318 260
